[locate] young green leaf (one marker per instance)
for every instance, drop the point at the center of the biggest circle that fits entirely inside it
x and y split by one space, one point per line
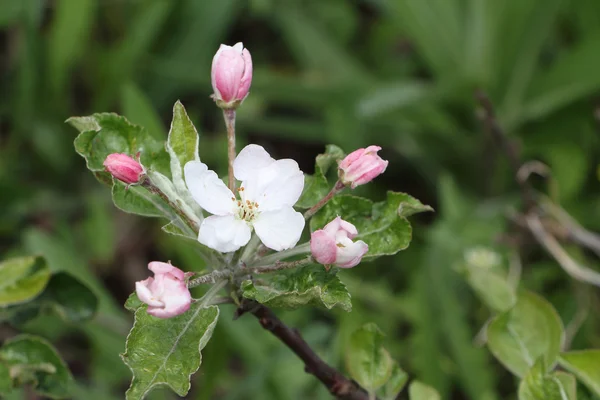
383 226
536 385
138 200
167 352
292 289
367 360
585 364
492 288
32 359
316 186
530 330
420 391
182 146
395 384
22 279
5 380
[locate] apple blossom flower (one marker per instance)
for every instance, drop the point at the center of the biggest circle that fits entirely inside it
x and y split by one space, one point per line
333 244
123 167
166 293
267 193
231 75
361 166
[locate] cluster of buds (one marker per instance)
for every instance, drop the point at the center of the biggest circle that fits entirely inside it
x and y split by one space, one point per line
167 294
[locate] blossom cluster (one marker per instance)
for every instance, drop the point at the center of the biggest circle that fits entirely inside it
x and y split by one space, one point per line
260 202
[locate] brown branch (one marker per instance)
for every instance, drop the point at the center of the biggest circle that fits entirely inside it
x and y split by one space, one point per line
337 384
508 147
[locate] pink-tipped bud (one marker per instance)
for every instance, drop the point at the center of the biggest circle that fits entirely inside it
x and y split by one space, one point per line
333 244
166 294
361 166
124 168
231 75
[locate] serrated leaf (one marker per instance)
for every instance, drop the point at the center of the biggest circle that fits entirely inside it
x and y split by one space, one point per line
316 186
395 384
530 330
492 288
22 279
115 134
311 285
32 359
138 200
64 295
420 391
585 364
536 385
367 360
410 206
380 225
166 352
133 302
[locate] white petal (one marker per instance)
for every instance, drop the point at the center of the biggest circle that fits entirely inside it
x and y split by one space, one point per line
252 158
239 46
224 233
280 229
275 186
208 190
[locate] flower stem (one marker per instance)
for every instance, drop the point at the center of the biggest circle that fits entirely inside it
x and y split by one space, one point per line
213 277
276 257
229 115
187 220
280 265
211 293
338 187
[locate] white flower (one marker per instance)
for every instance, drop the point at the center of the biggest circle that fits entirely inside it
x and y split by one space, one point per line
268 191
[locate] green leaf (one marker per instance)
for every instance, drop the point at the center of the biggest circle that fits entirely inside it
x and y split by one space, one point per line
492 288
64 295
138 200
22 279
420 391
316 186
32 359
367 361
532 329
383 226
166 352
111 133
311 285
568 383
182 144
395 384
133 302
5 380
536 385
585 364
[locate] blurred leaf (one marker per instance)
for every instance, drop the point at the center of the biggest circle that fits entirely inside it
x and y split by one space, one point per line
316 186
5 380
530 330
367 360
493 289
22 279
572 77
310 285
567 382
420 391
391 97
536 385
32 359
69 34
64 295
166 352
395 384
112 133
381 225
585 364
138 109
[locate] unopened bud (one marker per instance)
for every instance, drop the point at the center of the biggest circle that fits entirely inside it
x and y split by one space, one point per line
231 75
361 166
124 168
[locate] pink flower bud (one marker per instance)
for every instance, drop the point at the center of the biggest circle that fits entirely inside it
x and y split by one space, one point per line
231 75
124 168
361 166
166 294
333 244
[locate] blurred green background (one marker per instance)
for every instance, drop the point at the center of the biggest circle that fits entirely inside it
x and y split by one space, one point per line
397 73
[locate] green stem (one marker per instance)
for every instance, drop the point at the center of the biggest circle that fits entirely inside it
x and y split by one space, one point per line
280 265
207 298
275 257
229 116
186 220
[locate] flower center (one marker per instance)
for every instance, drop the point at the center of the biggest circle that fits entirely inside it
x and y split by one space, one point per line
247 210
